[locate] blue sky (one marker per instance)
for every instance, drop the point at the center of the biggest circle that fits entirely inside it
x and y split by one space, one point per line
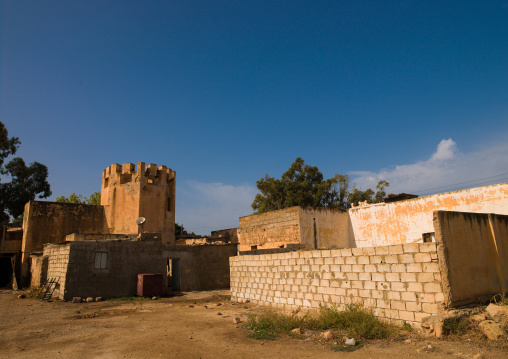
224 92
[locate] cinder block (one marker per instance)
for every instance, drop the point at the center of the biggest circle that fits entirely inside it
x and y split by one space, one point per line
383 304
397 249
370 268
384 268
369 285
357 268
407 258
351 260
378 277
393 296
346 252
407 316
352 276
408 277
364 276
411 247
383 285
382 250
439 297
427 297
363 260
431 308
428 247
432 288
391 259
398 268
414 268
414 287
413 306
376 259
431 267
357 284
422 257
369 251
408 296
398 286
357 251
392 277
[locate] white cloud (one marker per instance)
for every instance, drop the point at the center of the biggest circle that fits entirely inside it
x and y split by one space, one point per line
446 170
203 207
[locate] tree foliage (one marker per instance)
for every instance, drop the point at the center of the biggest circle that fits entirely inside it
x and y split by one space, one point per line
27 182
94 199
304 185
180 231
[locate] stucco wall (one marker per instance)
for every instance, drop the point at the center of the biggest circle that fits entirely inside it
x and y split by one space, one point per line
269 230
11 240
400 283
474 252
50 222
202 267
406 221
330 231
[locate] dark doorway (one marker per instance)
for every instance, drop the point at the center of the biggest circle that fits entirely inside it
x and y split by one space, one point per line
5 271
173 274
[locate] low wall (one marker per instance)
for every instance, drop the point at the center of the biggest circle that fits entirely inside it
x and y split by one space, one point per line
400 283
202 267
405 221
474 252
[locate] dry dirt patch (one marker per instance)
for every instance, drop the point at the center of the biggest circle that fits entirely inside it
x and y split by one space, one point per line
194 325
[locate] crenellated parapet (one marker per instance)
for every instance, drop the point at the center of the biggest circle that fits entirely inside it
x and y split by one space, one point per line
128 172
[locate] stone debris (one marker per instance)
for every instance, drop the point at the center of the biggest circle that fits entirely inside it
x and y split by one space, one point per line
98 299
21 296
297 331
154 298
76 299
237 320
479 356
433 326
492 330
498 312
328 335
219 313
90 300
478 317
350 341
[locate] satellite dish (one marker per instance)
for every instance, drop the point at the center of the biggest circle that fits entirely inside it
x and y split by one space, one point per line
140 221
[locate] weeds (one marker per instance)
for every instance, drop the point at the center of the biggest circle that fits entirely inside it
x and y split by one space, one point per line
455 325
499 299
356 321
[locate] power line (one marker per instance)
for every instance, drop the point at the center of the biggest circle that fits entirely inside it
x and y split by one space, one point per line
460 183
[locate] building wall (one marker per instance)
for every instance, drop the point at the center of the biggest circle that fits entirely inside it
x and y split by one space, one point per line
74 264
474 252
57 257
203 267
330 230
269 230
11 240
406 221
129 192
400 283
50 222
230 233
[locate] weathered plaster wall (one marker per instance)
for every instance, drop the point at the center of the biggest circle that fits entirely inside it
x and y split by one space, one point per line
11 240
474 252
330 230
230 233
203 267
129 192
50 222
74 264
269 230
400 283
406 221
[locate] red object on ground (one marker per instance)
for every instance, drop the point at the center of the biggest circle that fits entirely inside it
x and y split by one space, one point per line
149 285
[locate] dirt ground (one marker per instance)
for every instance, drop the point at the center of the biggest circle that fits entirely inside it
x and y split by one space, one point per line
193 325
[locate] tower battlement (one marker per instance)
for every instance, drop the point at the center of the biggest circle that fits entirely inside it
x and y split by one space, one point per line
131 191
128 172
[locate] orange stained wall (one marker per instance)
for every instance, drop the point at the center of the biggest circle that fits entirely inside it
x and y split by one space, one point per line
405 221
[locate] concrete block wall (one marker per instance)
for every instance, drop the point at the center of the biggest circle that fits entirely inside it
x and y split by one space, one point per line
58 261
400 282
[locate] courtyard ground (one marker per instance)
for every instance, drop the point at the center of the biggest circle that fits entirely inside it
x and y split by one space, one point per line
192 325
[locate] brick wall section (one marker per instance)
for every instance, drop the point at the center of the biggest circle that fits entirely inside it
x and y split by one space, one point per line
401 282
58 261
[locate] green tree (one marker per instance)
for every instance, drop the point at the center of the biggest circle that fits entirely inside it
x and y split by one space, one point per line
180 231
94 199
304 185
27 182
301 185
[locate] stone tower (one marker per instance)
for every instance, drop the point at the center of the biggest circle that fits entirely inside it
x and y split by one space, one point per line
129 193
